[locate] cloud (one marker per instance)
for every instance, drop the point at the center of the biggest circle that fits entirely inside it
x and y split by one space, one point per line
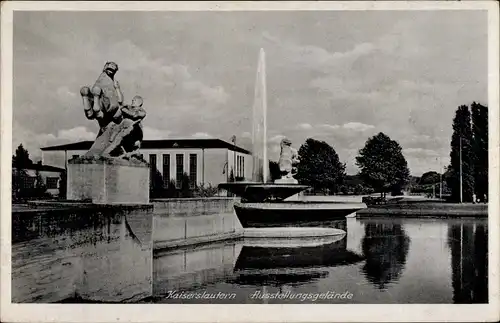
357 126
329 126
75 134
349 126
317 57
153 133
215 94
34 141
276 139
246 134
65 92
304 126
421 152
201 135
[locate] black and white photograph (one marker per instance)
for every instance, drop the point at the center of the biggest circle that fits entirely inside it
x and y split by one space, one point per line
233 154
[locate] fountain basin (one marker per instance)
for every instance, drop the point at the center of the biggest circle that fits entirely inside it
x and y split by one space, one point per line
288 233
292 213
274 258
260 192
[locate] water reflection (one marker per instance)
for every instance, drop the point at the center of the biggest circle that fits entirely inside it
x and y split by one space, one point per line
385 246
380 261
280 264
468 243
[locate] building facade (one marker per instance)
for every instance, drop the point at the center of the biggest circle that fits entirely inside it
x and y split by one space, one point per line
205 161
49 175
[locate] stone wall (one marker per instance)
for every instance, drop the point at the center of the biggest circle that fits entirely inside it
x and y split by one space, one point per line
178 207
181 222
84 253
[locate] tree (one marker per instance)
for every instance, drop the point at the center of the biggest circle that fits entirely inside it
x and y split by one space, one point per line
156 185
274 170
382 164
21 159
320 166
461 144
431 177
20 162
171 190
386 249
63 182
185 190
480 149
40 187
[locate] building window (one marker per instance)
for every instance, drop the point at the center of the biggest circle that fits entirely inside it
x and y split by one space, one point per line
52 183
192 170
28 181
237 166
179 169
166 169
242 167
152 161
152 168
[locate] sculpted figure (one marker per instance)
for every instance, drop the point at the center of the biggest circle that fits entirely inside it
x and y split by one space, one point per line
105 97
289 159
128 135
120 134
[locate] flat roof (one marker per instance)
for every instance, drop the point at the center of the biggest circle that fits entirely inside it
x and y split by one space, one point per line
160 144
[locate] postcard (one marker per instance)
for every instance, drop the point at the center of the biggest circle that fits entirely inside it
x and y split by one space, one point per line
250 161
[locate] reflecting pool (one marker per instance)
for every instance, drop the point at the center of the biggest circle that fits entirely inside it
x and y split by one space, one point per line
379 260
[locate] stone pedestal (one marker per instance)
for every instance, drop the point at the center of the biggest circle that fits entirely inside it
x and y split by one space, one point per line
108 181
289 180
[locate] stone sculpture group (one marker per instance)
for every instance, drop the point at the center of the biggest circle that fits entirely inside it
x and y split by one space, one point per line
120 130
289 159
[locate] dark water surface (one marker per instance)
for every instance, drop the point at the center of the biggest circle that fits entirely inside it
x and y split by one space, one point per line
380 260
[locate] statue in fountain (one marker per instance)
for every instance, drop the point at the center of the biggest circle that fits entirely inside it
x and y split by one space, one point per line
120 134
288 162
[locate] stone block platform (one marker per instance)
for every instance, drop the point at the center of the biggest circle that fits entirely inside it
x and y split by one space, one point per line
108 181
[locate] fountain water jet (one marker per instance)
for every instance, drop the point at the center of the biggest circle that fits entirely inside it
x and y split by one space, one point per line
262 202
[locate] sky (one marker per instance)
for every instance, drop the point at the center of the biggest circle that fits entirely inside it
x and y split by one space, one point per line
336 76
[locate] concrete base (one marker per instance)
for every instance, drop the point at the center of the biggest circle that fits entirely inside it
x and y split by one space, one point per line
291 232
289 180
108 182
173 232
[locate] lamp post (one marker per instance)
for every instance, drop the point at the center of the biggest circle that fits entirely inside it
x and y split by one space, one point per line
461 193
233 139
440 179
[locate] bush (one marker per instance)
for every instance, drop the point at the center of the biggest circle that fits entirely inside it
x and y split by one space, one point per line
159 189
206 190
185 190
63 182
171 190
